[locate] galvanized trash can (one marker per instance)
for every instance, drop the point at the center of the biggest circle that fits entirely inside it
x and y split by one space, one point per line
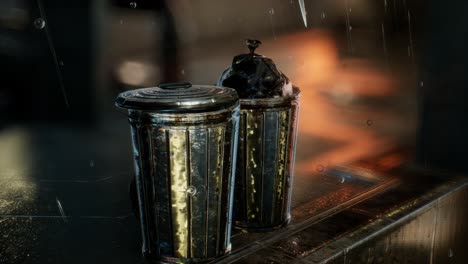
267 141
184 143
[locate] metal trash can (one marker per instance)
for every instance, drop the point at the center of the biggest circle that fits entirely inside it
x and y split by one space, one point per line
265 164
267 141
184 142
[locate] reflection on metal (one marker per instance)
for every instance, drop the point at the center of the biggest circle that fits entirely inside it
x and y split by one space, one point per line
265 162
179 182
184 176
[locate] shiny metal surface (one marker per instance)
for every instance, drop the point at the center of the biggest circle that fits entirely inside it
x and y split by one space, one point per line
184 178
178 98
265 164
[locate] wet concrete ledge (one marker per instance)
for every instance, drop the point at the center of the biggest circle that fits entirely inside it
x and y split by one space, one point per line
415 216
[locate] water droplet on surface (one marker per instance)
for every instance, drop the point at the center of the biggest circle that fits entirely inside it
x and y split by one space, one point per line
320 168
271 11
369 122
91 163
39 23
133 4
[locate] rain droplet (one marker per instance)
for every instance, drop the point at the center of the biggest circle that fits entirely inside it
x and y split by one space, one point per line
323 15
320 168
121 21
182 72
271 11
369 122
350 27
39 23
349 10
133 4
421 83
450 253
91 163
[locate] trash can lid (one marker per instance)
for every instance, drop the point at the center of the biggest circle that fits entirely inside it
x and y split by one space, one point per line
255 76
178 98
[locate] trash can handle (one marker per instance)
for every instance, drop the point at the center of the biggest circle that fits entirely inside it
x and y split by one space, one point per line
175 86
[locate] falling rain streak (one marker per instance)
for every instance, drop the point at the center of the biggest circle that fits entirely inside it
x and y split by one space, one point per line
53 52
62 212
384 44
410 47
348 27
271 13
303 12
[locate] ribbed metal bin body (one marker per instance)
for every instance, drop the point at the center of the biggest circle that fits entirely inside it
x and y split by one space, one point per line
265 162
184 176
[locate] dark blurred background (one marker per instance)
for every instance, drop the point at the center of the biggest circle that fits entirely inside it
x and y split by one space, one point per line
389 67
375 76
